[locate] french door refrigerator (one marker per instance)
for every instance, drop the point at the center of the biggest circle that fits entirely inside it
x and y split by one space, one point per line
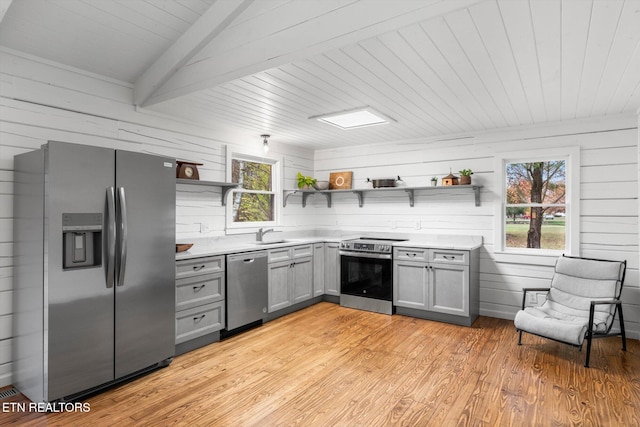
94 281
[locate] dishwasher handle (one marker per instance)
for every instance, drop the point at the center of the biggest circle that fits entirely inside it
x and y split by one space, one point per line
247 258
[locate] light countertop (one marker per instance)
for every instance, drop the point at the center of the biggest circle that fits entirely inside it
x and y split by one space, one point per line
203 248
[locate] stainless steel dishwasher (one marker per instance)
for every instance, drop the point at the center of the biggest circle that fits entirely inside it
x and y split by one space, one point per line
247 293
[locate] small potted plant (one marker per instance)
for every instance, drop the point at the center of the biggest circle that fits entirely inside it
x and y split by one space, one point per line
434 181
465 176
305 182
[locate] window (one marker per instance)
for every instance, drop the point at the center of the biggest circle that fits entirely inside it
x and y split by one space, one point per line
254 202
539 208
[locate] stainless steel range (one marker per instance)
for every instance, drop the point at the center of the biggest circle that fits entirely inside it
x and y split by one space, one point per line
366 274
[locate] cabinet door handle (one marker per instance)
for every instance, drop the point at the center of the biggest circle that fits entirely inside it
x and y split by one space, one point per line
198 318
197 288
198 267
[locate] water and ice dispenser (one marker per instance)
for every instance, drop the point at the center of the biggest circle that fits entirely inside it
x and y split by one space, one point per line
82 240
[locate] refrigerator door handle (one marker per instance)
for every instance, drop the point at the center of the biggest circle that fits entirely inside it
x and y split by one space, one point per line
111 237
122 265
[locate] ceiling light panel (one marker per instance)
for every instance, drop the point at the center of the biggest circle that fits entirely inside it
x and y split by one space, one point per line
352 119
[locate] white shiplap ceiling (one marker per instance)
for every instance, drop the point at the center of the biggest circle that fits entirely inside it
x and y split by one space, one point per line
265 66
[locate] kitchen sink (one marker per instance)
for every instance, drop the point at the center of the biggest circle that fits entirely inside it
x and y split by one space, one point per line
274 242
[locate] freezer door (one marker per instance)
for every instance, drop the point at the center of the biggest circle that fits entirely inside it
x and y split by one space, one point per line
78 302
145 263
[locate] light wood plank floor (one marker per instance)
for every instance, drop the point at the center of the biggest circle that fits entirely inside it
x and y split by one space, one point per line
333 366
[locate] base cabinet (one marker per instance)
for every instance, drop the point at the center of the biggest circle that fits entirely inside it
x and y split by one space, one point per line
410 284
331 269
290 276
318 269
200 297
449 289
436 284
279 281
302 280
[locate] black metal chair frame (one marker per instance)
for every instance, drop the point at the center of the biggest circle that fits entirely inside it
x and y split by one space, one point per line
590 334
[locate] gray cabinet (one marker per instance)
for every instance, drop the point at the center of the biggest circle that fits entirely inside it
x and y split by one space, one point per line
439 284
410 284
290 276
331 269
200 297
449 289
279 283
302 279
318 269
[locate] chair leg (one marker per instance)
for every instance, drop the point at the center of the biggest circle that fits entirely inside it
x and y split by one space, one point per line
519 337
589 337
622 334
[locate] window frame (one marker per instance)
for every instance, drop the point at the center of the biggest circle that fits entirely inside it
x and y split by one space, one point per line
250 227
571 156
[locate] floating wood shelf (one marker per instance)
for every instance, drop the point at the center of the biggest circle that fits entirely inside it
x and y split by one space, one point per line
361 191
226 186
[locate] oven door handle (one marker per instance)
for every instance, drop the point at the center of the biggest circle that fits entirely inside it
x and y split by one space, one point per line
365 255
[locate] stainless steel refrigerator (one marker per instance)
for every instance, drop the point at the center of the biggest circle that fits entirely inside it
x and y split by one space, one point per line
94 280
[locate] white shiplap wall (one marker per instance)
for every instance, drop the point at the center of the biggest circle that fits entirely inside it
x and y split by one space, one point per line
608 200
41 101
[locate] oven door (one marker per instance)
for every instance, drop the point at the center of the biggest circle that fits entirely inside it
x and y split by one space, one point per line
366 275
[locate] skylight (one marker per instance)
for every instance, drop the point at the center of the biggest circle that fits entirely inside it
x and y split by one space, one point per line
352 119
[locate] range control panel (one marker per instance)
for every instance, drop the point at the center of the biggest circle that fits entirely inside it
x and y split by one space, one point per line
380 247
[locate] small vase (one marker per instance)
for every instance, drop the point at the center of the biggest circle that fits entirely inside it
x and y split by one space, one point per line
434 183
465 180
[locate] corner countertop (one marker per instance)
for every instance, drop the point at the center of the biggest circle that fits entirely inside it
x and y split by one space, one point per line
206 248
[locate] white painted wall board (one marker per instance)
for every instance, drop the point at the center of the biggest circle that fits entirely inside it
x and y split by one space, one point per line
576 18
546 18
605 19
488 21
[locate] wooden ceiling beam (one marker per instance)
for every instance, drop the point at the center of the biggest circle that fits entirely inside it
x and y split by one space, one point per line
4 6
201 33
272 39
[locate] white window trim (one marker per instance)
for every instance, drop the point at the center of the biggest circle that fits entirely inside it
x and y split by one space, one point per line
571 155
252 227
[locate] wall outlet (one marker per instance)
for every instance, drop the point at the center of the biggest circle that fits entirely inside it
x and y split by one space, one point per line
532 298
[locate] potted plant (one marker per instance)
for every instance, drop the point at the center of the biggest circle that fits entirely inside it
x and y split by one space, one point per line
305 182
465 176
434 181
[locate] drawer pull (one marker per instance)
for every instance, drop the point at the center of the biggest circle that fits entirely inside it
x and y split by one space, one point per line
448 257
198 288
411 255
198 267
198 318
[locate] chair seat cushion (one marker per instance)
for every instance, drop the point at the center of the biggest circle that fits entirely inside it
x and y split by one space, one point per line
554 325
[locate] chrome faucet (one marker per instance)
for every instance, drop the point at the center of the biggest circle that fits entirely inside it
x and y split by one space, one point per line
261 232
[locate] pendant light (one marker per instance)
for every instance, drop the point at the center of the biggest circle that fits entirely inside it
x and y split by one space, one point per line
265 142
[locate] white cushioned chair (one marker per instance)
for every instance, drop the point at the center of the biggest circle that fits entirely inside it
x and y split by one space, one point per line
582 302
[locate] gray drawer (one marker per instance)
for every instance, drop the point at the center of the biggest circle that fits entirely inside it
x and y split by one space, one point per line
302 251
410 254
196 266
198 290
199 321
280 254
450 256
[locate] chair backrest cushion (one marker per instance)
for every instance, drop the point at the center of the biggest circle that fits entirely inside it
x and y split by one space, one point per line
577 281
